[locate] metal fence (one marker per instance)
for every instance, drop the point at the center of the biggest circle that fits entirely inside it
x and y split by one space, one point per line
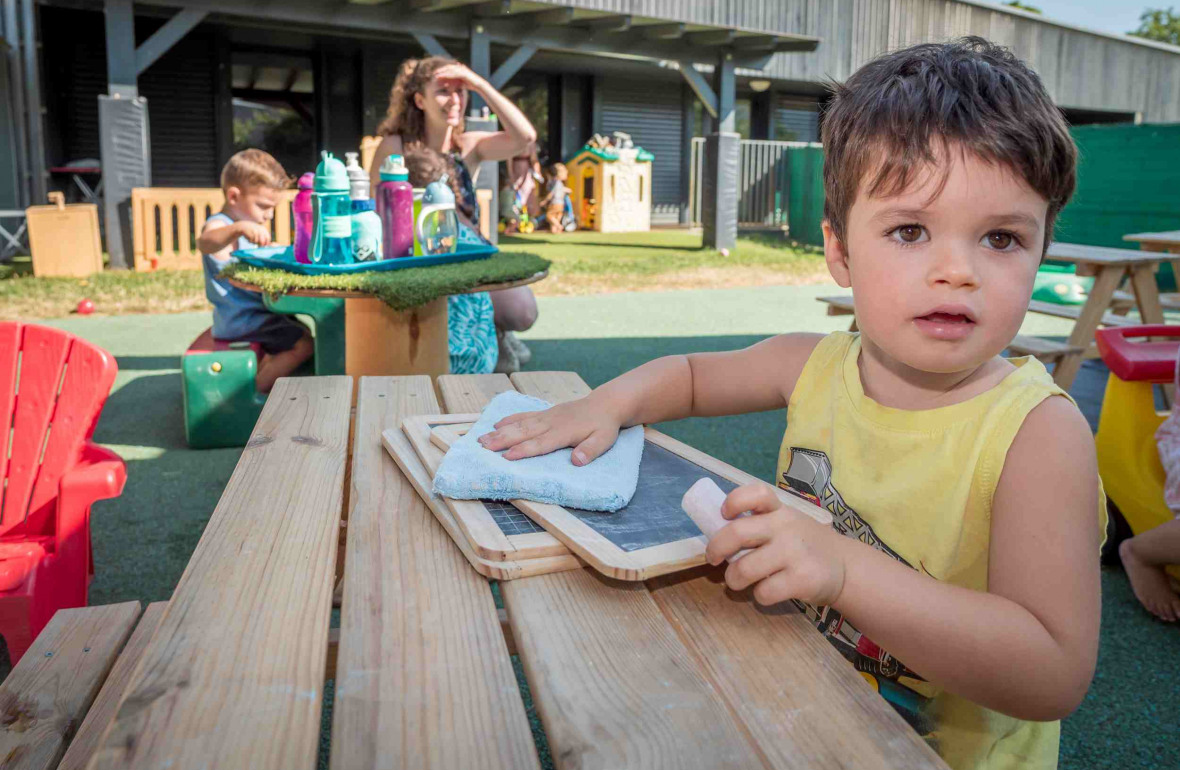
764 183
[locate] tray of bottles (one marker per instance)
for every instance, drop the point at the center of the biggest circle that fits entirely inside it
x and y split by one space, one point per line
283 258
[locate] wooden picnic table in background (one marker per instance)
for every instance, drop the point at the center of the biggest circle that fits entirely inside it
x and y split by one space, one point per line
1168 241
1109 267
677 672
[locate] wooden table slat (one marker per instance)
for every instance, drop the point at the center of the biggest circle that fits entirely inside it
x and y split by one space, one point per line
233 676
49 691
798 716
1079 253
99 717
614 685
423 677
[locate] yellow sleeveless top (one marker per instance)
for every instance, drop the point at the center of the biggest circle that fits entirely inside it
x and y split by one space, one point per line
917 485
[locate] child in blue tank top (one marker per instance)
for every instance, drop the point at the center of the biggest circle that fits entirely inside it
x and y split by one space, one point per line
251 181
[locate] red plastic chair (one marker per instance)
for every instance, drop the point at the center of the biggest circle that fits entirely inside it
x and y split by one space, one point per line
52 388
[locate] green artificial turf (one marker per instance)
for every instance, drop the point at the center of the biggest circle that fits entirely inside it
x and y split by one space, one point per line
405 288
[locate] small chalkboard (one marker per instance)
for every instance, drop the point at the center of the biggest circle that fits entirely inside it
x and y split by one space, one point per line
420 477
652 535
654 516
495 531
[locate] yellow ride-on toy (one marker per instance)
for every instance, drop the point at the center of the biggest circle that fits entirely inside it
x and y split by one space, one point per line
1128 460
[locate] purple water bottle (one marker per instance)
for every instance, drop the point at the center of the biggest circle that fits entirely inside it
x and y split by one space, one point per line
304 222
395 206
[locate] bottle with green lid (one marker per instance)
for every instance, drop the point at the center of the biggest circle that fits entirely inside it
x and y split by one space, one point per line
333 209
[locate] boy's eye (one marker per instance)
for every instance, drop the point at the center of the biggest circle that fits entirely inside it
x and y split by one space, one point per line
908 233
1000 240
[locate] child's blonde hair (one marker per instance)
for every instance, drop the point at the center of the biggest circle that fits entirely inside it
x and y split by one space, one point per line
253 168
557 169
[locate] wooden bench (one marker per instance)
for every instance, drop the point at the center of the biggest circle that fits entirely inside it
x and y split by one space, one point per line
1074 312
61 697
1124 302
1045 350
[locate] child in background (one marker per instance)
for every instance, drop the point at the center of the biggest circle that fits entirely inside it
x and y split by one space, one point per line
251 181
1145 555
961 571
555 198
509 220
426 165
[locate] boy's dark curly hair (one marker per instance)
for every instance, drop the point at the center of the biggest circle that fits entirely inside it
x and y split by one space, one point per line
887 124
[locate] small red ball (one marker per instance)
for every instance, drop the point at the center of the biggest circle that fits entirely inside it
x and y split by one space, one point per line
85 307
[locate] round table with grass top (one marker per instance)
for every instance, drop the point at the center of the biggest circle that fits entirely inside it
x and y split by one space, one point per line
386 331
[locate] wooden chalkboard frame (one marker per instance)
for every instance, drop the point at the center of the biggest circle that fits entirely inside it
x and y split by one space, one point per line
472 518
414 468
598 551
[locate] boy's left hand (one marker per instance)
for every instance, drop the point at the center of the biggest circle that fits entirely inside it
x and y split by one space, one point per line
793 556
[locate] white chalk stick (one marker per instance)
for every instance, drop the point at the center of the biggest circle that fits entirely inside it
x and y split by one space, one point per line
702 502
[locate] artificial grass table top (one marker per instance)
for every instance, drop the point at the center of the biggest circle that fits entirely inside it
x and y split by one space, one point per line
401 289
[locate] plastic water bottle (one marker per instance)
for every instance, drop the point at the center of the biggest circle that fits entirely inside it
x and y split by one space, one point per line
366 225
330 244
304 223
437 225
395 207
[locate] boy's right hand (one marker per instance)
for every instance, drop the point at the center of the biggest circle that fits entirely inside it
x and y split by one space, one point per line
580 424
255 233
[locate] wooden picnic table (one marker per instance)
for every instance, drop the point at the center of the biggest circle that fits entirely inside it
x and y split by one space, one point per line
379 340
1109 267
677 672
1167 241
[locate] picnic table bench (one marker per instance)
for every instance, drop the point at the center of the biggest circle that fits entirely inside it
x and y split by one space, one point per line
677 672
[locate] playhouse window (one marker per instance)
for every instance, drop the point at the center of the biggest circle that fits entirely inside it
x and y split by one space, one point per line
612 187
641 188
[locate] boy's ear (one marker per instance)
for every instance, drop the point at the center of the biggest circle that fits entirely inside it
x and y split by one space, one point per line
233 194
836 257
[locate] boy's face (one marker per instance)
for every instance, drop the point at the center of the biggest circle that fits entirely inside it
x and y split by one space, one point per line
255 203
942 279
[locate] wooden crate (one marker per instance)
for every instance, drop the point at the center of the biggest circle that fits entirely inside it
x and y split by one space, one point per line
63 240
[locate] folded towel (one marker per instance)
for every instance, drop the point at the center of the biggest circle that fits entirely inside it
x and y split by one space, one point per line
471 472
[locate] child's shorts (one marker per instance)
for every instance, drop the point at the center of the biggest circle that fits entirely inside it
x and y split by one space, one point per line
278 334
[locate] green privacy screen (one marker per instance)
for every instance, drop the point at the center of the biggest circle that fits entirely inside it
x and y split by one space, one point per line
1128 182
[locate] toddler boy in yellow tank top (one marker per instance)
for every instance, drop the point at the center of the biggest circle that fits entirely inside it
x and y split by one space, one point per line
961 574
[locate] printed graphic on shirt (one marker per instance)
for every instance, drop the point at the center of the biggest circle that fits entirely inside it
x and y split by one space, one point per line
809 476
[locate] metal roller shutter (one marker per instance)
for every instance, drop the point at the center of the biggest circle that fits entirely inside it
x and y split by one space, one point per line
651 114
795 120
180 91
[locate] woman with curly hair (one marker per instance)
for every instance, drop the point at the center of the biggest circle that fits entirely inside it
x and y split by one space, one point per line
426 108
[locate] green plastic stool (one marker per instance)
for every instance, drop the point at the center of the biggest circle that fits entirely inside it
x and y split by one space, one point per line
221 405
327 316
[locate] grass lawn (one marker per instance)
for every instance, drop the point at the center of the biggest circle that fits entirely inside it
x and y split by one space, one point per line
583 263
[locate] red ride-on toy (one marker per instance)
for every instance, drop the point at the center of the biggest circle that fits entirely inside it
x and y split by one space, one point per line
1139 358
